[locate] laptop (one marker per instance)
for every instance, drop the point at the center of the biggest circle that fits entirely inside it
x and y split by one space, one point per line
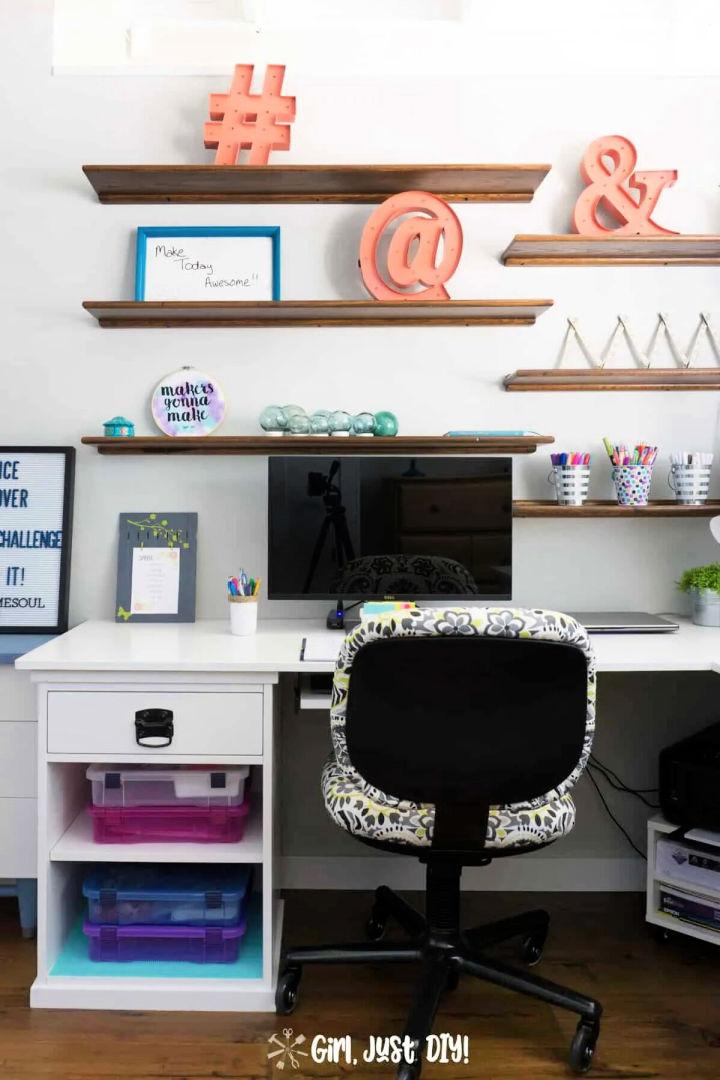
624 622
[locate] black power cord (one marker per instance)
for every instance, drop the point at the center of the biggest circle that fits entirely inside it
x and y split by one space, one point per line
614 780
612 817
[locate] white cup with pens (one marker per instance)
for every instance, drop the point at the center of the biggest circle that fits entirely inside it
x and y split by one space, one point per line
571 477
243 593
689 476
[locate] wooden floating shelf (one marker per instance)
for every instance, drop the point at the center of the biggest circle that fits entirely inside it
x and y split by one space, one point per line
114 314
311 183
594 508
268 445
618 379
574 250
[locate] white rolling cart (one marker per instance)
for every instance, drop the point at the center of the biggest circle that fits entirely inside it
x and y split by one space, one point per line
657 878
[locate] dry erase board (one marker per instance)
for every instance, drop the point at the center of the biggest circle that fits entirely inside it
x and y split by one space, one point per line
36 496
208 263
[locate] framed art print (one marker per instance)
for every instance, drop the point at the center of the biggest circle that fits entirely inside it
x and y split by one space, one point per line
36 504
156 567
213 263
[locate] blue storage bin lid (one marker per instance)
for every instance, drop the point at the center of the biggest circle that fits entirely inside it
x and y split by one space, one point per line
182 883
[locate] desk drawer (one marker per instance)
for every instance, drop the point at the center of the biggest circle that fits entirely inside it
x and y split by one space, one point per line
205 724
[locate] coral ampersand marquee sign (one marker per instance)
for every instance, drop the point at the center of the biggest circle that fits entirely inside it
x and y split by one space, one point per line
605 186
414 248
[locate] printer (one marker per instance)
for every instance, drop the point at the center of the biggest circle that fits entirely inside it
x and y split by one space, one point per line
690 780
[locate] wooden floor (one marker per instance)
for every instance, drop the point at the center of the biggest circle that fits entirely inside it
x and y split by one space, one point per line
662 1006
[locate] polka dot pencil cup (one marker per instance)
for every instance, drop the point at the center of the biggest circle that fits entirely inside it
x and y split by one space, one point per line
632 484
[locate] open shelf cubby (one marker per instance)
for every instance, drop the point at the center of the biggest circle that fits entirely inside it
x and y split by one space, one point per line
311 183
73 960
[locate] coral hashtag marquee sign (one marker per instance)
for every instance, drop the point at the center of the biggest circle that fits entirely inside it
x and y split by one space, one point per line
606 185
412 256
240 120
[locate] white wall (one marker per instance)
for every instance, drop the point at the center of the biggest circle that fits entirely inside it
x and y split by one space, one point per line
63 376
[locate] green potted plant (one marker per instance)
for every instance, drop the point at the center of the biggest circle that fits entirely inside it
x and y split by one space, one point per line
703 584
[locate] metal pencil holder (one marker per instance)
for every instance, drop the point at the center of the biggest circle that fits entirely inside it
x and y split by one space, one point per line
690 483
571 483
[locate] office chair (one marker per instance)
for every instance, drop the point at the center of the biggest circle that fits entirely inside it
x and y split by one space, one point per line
457 736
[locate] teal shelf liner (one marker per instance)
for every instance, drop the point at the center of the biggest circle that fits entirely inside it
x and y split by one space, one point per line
74 960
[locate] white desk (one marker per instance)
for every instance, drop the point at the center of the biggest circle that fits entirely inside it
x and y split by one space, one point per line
221 690
207 646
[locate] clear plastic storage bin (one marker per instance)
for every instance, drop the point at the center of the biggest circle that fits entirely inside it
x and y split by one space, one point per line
167 895
174 785
199 944
169 824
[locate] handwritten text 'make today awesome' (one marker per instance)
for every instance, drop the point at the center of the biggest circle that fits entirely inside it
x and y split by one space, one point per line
186 262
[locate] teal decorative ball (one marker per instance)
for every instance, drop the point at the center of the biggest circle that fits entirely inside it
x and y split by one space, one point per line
363 423
386 423
319 423
299 424
339 422
272 418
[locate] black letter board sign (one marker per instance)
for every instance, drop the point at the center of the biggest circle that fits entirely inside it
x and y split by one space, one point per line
36 500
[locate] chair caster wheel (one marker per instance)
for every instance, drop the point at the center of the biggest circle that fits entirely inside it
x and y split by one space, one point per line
582 1047
531 950
408 1071
286 995
375 927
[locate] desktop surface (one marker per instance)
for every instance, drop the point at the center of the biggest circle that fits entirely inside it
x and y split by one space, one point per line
208 646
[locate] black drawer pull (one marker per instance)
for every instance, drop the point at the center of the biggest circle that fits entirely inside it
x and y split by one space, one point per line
154 727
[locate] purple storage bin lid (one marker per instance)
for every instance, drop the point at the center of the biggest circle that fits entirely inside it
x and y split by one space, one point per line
228 933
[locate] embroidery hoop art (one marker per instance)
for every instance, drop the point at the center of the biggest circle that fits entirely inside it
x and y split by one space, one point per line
196 413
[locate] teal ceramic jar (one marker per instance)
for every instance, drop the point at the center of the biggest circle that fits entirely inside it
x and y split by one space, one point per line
119 428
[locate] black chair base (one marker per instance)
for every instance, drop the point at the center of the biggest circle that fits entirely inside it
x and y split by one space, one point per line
445 953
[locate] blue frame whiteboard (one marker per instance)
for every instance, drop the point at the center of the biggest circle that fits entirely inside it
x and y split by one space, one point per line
191 271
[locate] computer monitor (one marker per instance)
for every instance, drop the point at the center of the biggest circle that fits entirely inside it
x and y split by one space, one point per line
372 527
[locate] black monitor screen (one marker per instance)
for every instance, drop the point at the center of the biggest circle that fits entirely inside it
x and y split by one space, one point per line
373 527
